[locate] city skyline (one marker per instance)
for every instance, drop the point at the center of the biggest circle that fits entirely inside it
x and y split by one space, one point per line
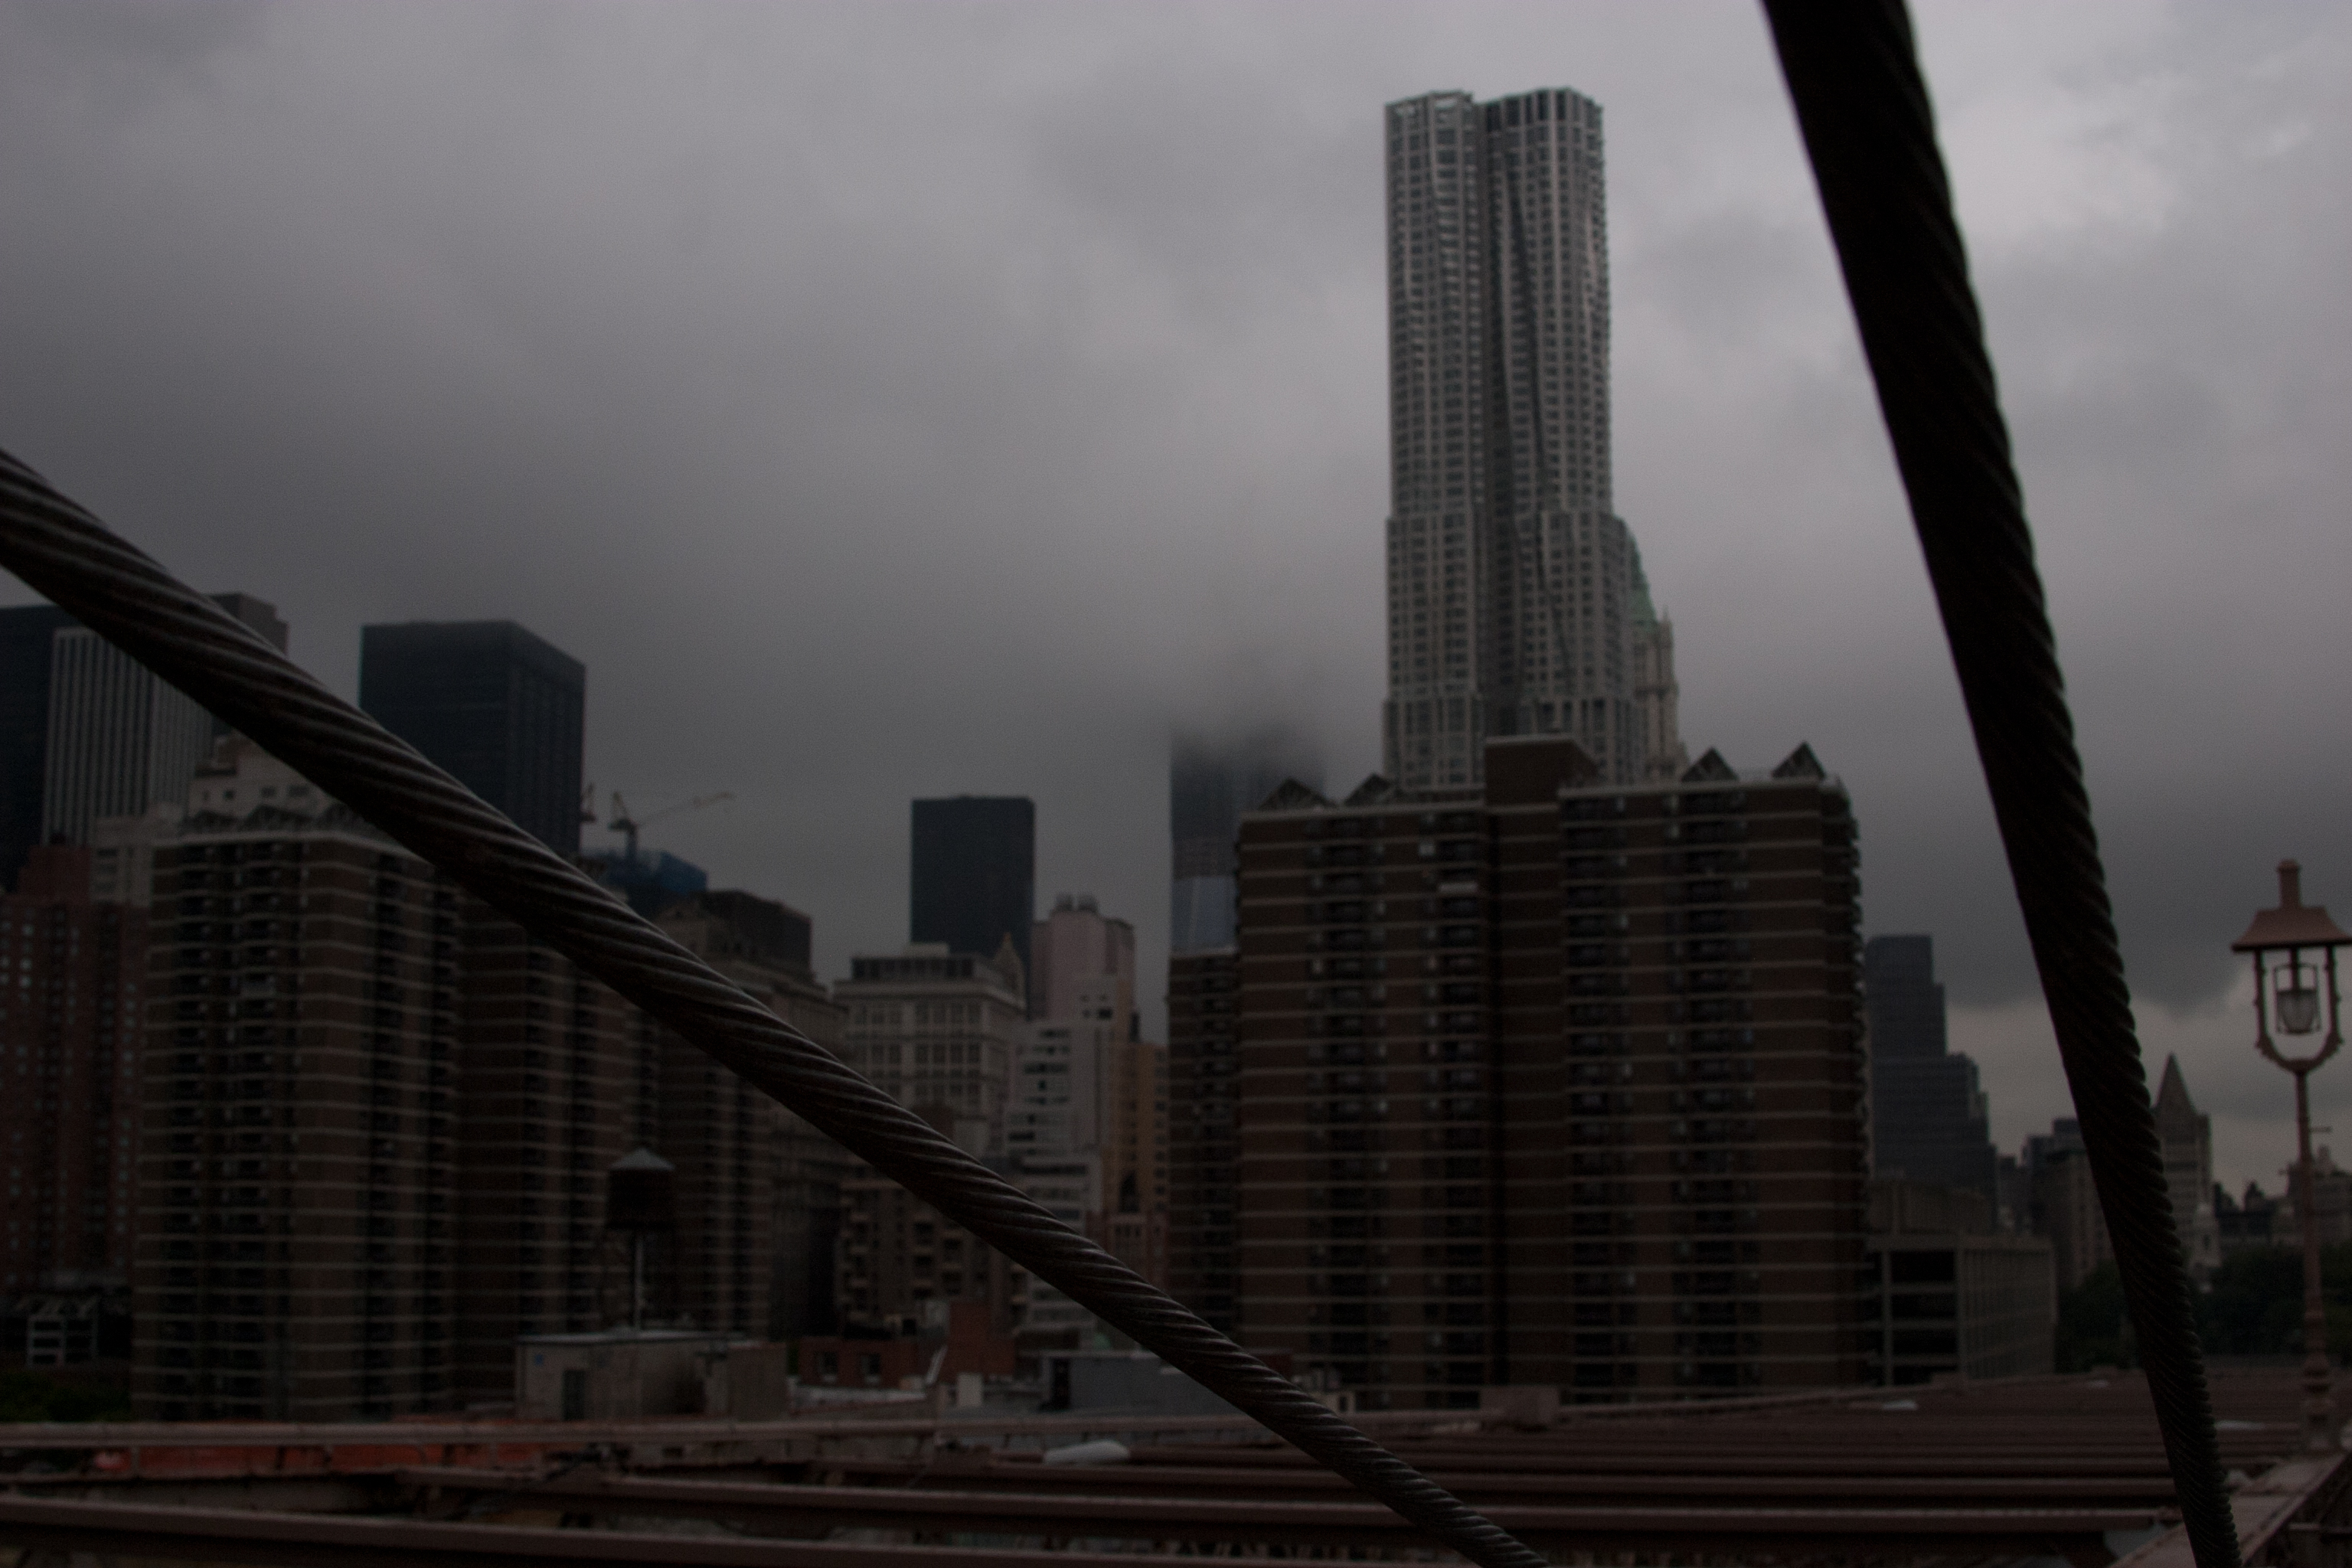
979 459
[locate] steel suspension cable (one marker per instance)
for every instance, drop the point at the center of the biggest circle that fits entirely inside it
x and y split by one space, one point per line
67 555
1852 72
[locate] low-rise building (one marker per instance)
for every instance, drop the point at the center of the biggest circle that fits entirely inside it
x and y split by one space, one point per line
1949 1294
944 1342
625 1375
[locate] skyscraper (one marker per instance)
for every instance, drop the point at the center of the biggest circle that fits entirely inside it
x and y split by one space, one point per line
1930 1119
1081 965
119 739
495 706
87 732
1088 1115
975 877
2186 1136
1212 781
1511 581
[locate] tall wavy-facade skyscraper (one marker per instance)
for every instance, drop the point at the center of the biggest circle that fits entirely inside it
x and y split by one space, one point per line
1513 607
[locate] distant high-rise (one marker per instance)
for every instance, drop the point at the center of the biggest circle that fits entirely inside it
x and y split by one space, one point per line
1088 1128
499 707
2186 1136
1210 782
1657 696
1929 1120
71 1026
759 1190
1082 965
975 879
260 615
937 1032
1512 603
87 732
120 740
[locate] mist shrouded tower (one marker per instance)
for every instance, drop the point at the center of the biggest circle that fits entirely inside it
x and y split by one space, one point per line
1212 781
1511 604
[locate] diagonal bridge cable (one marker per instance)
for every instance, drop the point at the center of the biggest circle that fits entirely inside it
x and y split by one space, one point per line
1852 72
67 555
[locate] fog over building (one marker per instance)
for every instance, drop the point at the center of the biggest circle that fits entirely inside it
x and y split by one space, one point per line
1512 582
1212 781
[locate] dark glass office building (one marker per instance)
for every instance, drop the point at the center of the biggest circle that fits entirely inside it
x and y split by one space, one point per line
1930 1119
499 707
975 873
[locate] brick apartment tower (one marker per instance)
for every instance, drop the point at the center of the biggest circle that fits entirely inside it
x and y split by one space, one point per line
549 1078
296 1248
1559 1083
73 987
759 1190
1203 1131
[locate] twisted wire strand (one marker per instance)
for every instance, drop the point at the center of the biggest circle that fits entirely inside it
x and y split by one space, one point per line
67 555
1853 74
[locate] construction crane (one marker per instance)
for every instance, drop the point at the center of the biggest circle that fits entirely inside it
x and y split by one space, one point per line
628 825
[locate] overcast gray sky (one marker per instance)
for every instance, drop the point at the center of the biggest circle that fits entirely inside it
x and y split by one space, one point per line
888 401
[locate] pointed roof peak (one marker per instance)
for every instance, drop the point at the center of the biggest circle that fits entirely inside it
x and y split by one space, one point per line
1292 795
2172 1089
1800 764
1710 769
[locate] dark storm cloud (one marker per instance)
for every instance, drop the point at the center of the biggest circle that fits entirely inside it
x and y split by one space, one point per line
897 401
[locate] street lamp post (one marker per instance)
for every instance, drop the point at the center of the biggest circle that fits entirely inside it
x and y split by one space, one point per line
2287 994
